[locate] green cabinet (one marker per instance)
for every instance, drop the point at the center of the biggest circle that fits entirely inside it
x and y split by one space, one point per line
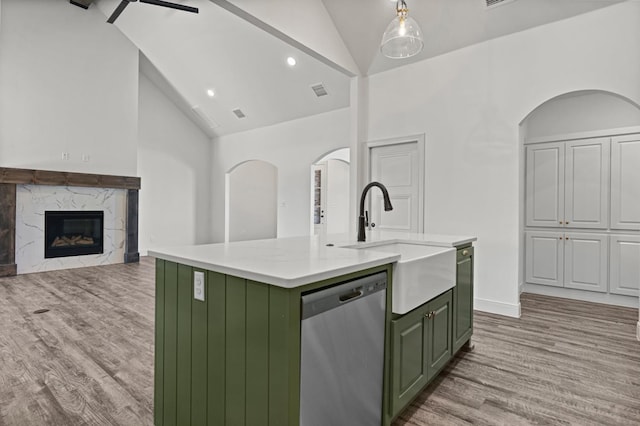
233 359
463 298
424 340
421 345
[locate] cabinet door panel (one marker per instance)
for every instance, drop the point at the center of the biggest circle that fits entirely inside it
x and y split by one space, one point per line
545 184
625 182
586 261
439 344
463 299
624 275
409 364
587 183
544 257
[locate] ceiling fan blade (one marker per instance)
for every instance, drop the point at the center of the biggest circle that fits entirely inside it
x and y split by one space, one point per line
171 5
123 4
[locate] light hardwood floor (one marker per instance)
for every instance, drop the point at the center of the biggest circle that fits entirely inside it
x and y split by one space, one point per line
89 360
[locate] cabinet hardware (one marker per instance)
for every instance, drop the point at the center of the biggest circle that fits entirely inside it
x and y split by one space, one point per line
430 314
560 222
465 252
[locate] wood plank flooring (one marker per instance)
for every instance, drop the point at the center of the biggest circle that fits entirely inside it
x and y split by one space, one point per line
89 360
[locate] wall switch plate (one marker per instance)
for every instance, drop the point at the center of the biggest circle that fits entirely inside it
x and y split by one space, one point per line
65 155
198 285
86 158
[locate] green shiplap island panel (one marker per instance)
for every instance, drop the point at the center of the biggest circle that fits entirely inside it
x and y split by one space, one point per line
233 359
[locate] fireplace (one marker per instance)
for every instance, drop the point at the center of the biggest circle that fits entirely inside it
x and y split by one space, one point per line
73 233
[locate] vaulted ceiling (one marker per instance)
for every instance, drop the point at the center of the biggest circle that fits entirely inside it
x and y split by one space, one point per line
240 50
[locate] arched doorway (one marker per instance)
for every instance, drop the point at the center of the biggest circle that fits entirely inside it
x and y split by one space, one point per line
330 193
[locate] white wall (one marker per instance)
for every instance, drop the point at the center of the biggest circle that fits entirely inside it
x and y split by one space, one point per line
581 112
174 163
292 147
251 202
469 104
69 84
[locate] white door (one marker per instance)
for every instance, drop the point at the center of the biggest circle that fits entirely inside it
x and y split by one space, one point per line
585 261
400 168
544 258
624 276
625 182
545 184
319 197
587 183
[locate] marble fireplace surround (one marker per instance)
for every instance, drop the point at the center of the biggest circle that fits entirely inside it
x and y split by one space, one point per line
11 177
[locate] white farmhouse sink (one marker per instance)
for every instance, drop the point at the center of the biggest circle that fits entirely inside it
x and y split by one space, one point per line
422 273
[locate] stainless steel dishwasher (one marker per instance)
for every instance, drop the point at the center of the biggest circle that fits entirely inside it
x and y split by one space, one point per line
342 354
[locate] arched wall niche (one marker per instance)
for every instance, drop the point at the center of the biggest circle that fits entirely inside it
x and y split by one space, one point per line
251 201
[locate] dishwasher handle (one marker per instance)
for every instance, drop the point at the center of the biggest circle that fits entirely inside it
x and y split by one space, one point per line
353 294
319 301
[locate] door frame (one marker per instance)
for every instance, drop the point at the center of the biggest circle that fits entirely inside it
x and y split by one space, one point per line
419 139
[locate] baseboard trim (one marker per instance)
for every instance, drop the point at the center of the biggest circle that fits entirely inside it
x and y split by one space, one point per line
583 295
500 308
520 288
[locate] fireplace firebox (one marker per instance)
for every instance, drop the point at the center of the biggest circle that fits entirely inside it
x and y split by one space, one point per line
73 233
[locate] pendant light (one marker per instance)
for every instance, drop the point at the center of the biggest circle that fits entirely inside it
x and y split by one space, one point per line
403 36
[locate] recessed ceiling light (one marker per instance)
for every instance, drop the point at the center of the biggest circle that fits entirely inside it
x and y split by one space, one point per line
211 93
291 61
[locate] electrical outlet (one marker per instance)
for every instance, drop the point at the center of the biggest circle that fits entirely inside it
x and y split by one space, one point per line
65 155
86 158
198 285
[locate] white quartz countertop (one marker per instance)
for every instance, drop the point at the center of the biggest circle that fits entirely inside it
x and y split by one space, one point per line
297 261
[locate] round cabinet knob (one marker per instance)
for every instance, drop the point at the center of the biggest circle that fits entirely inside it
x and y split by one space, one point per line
465 252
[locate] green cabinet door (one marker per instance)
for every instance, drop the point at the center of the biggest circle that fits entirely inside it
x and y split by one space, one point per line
409 335
439 348
421 346
463 298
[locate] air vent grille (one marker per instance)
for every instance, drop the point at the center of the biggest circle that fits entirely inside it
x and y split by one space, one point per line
204 118
494 3
319 90
238 112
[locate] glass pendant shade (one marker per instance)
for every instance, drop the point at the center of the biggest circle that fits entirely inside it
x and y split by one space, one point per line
403 37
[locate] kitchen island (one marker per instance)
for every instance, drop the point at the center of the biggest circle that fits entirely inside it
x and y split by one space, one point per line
234 357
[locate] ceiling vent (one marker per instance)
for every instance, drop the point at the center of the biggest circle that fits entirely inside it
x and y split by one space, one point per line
81 3
238 112
204 118
494 3
319 90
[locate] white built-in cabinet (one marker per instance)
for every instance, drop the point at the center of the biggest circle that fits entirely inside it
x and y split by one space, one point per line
571 260
591 189
625 265
625 182
567 184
